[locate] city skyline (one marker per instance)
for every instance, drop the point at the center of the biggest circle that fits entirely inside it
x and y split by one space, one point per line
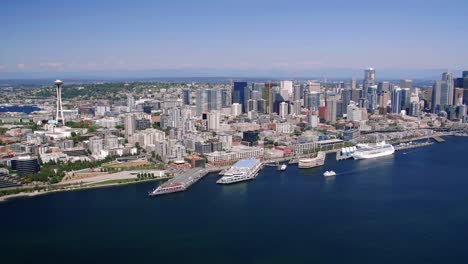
265 38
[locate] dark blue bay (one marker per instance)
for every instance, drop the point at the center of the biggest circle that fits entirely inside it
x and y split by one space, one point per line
408 208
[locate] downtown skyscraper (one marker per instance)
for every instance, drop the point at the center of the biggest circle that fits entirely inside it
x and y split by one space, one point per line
241 94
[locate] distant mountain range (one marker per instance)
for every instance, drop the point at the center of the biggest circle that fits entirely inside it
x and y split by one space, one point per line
189 74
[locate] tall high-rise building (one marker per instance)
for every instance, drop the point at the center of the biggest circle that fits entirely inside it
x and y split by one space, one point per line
225 97
283 110
447 77
286 89
465 89
383 95
437 97
346 96
369 80
202 102
331 106
295 107
339 108
261 106
241 94
353 83
130 102
251 105
129 125
415 109
406 99
397 100
445 94
186 96
174 118
213 97
269 97
214 118
372 97
312 101
297 92
356 94
458 96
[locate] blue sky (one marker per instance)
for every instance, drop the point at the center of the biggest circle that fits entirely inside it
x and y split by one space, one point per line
208 37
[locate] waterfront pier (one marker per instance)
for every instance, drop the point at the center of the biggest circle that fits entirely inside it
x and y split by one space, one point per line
183 181
438 139
412 146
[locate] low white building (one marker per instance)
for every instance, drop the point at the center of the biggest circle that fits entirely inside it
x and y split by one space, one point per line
235 154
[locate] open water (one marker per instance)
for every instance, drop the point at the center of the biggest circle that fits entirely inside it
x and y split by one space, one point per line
411 207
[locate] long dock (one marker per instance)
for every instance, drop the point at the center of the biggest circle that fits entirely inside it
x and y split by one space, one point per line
412 146
183 181
438 139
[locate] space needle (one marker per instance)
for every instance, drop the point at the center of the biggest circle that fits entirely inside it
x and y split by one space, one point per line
59 114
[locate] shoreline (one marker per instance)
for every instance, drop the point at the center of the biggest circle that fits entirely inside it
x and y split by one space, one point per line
6 198
91 185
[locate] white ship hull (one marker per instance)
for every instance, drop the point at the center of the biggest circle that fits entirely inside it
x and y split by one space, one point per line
244 174
373 153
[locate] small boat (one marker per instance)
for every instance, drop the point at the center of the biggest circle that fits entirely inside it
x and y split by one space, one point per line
329 173
283 167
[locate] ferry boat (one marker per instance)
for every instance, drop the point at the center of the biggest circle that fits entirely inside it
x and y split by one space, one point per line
373 151
283 167
242 170
329 173
169 187
312 162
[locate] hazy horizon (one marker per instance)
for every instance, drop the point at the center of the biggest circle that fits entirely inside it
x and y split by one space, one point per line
142 38
383 74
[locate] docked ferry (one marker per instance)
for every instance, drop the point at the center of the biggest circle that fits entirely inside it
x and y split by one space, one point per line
373 151
242 170
169 187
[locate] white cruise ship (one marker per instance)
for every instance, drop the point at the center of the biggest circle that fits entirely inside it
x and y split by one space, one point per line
373 151
243 170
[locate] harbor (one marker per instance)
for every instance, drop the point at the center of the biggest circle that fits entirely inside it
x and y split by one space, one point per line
248 169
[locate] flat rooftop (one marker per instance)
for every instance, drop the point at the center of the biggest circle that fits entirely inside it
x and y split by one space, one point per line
246 163
187 175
